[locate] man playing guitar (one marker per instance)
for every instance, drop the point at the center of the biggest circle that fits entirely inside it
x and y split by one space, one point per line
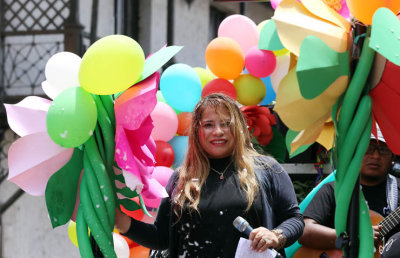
381 192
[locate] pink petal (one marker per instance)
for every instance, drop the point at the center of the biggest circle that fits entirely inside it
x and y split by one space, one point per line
28 116
135 104
135 152
33 159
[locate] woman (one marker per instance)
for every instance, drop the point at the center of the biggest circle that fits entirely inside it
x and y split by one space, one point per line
221 178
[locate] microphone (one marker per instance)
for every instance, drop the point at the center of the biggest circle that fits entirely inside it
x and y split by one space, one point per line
244 227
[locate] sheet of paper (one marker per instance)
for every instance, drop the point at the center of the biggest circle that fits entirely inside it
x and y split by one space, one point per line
243 250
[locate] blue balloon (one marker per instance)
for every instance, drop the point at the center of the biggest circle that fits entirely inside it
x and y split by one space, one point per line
181 87
271 95
180 145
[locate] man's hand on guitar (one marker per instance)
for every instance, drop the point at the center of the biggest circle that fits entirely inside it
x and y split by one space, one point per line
377 233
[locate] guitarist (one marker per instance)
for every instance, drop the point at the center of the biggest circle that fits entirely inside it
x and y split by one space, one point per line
380 189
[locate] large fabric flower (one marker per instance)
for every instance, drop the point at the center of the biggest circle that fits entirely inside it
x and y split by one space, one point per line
259 120
134 147
33 158
319 37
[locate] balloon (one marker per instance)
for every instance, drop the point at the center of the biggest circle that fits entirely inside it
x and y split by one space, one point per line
121 247
224 58
180 145
181 87
250 89
62 71
164 154
165 122
111 65
72 233
259 62
219 86
184 122
139 252
240 28
271 94
162 174
204 75
364 10
71 118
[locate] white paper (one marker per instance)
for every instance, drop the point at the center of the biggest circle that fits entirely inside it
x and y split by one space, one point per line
243 250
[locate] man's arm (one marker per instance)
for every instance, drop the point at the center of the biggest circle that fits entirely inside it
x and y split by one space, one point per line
317 236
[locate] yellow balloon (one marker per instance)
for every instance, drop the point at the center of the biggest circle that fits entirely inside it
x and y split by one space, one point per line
250 90
111 65
72 233
204 75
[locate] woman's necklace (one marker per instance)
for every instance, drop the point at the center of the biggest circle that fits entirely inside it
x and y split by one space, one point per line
221 174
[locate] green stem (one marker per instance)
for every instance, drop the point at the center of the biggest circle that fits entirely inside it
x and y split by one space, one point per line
103 238
96 196
85 249
102 177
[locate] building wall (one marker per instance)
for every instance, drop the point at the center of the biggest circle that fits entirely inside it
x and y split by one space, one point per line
26 229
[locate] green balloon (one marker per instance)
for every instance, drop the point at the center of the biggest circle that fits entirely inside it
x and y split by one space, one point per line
72 117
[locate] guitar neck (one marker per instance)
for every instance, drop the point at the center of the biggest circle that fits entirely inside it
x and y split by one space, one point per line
390 222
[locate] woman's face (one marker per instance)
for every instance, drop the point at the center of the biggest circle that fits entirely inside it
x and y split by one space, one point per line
215 135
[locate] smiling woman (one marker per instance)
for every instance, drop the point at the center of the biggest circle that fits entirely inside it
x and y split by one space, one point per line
222 178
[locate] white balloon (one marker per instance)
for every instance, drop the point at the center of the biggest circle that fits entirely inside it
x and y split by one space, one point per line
62 70
281 69
121 247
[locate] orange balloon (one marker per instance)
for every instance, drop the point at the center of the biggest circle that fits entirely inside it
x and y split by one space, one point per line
139 252
225 58
184 121
364 10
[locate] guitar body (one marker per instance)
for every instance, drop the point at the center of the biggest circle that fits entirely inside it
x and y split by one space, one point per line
307 252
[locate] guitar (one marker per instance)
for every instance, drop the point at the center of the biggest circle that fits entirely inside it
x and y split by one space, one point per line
388 223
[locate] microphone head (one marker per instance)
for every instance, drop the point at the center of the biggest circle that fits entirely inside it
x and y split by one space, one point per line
240 224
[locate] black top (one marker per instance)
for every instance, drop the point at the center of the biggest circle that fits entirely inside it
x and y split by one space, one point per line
279 210
322 206
222 200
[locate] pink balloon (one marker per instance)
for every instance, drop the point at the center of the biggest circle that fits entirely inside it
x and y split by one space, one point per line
260 63
162 174
165 122
240 28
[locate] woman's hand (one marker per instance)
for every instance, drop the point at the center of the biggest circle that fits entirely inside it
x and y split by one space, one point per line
262 239
122 221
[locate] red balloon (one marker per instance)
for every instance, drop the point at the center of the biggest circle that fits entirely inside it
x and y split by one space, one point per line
164 154
219 86
184 121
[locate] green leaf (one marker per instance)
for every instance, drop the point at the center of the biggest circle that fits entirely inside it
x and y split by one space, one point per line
276 147
290 135
129 204
120 178
62 188
319 66
157 60
385 35
127 192
269 39
144 209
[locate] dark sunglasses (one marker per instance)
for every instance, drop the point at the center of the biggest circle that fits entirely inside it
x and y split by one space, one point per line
382 149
